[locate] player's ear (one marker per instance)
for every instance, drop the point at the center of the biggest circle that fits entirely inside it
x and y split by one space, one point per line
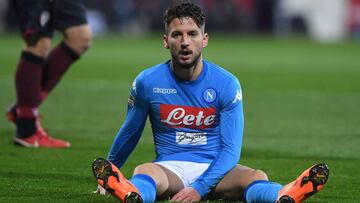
165 42
205 39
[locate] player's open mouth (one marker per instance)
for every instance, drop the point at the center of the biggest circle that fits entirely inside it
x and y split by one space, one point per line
185 54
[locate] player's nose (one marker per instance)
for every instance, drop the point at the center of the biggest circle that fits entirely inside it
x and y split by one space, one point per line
184 41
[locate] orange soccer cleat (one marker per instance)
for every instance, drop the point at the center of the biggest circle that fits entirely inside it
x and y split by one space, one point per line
111 179
41 139
308 183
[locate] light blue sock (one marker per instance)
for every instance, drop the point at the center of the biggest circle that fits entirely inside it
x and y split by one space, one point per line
146 186
262 191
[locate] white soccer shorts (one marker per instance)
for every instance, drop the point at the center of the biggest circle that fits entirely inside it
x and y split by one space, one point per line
187 171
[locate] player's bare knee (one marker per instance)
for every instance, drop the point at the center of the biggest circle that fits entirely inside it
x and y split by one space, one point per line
150 169
144 168
79 45
79 39
258 174
84 42
41 48
156 173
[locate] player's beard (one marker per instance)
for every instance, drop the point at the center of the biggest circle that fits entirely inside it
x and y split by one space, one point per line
178 63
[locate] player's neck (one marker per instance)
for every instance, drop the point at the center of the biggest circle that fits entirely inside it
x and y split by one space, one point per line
188 74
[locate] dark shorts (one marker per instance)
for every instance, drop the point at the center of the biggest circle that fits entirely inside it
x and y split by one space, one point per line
45 16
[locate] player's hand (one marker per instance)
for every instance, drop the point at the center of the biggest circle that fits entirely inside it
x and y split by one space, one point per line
100 190
187 194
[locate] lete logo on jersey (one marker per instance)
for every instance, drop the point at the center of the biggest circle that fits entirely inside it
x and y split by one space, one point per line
187 116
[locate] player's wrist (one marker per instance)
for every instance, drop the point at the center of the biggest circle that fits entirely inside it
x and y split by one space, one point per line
200 188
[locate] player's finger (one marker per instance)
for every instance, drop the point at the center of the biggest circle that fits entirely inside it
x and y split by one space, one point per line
178 197
187 199
175 198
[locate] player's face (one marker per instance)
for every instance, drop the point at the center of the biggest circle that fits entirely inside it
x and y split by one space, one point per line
185 40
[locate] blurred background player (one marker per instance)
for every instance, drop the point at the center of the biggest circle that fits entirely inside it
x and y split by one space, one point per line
40 68
196 114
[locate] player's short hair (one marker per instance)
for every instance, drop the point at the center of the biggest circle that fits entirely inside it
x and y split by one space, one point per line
185 9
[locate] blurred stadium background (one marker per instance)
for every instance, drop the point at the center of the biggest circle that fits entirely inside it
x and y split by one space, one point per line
297 60
322 20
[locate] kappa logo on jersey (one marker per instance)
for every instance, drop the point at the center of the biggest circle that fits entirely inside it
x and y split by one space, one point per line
164 90
187 116
238 96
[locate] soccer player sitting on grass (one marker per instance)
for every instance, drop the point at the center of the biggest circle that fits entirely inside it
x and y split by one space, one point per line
196 114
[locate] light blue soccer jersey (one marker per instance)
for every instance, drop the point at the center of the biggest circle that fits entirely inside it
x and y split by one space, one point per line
198 121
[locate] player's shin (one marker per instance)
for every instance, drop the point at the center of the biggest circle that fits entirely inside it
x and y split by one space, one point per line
146 186
262 191
57 63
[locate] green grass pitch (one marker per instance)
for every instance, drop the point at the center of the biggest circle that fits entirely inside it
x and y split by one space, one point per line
301 103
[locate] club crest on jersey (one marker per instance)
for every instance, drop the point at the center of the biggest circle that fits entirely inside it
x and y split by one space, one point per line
209 95
187 116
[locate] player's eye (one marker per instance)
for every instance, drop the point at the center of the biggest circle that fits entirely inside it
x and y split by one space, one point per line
175 34
193 33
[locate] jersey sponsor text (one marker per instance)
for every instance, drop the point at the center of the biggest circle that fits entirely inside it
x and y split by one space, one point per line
191 138
187 116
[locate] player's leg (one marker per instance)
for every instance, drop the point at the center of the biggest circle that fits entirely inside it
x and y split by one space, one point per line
71 20
29 68
78 38
28 87
29 75
43 17
235 182
149 180
37 46
167 182
243 183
